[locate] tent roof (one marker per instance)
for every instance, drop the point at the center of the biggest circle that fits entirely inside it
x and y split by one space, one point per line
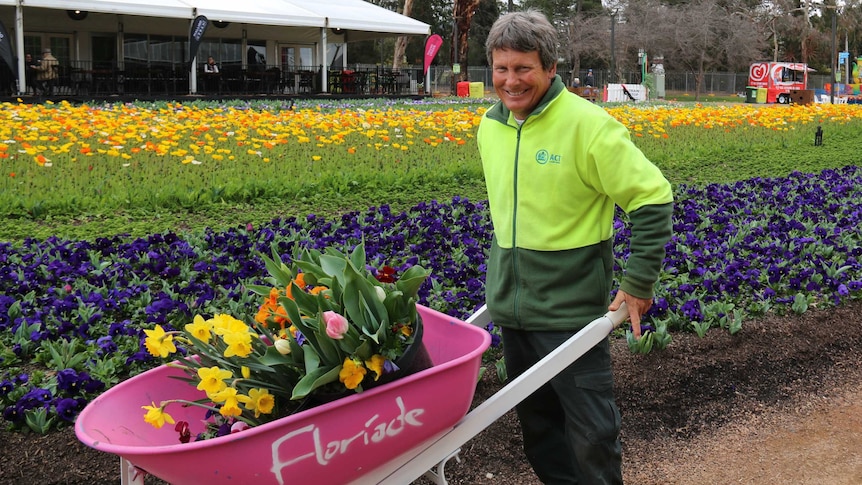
363 16
262 12
351 15
150 8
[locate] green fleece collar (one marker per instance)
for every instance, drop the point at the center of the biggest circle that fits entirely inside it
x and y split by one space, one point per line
499 112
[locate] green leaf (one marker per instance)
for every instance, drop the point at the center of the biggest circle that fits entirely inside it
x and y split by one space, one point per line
320 377
357 257
259 289
800 304
334 266
273 357
412 279
276 269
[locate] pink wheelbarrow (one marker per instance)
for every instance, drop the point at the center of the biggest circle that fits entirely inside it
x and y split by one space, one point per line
390 434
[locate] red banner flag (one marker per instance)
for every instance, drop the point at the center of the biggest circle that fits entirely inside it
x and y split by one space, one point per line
432 46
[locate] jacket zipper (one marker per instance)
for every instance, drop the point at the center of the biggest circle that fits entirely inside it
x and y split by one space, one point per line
515 269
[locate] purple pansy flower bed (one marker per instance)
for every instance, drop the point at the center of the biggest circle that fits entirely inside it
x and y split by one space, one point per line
78 308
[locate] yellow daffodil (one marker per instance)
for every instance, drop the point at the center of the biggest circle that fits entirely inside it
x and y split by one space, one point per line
200 329
159 343
222 324
212 379
230 399
157 416
238 344
260 401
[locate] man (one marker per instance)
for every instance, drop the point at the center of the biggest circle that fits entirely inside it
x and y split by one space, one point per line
589 80
555 166
30 72
46 72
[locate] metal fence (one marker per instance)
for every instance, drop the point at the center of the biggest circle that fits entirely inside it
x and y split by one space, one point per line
723 83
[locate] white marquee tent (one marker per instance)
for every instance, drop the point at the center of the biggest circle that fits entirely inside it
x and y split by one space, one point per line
316 22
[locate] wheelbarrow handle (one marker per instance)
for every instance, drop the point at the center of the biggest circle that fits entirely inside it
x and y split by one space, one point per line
618 316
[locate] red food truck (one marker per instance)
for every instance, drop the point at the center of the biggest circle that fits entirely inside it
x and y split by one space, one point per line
779 78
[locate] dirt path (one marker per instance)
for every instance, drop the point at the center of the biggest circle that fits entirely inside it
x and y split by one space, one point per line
816 442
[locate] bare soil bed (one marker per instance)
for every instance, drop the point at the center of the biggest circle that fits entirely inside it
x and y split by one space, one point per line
779 403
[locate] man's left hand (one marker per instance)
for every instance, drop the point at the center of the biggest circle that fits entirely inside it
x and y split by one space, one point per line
637 307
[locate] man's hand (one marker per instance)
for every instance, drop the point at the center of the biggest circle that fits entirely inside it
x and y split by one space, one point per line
637 307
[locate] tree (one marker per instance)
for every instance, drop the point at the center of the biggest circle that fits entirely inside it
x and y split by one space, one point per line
463 15
707 36
401 42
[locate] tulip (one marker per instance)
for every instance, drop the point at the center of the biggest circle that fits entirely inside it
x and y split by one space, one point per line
336 325
282 346
238 426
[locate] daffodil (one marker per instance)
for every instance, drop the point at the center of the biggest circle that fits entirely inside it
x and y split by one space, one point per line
230 399
159 343
200 329
238 343
222 324
260 401
157 416
212 379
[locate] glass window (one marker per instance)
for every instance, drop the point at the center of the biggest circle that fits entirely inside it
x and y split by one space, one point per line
256 55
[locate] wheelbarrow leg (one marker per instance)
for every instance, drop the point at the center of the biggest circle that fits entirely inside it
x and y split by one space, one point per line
438 473
500 403
130 474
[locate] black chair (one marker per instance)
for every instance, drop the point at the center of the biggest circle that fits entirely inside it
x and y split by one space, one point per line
272 80
306 82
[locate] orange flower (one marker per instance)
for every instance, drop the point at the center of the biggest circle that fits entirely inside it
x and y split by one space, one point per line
298 281
271 309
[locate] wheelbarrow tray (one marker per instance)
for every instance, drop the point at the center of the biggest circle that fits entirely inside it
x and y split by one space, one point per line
335 443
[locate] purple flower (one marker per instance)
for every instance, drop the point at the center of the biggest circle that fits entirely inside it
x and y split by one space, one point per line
67 381
67 408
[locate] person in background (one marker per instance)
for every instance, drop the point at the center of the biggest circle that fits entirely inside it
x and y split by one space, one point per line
576 82
555 167
30 73
589 80
211 67
46 72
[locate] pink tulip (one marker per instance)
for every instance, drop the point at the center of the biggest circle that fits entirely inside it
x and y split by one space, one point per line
238 426
336 325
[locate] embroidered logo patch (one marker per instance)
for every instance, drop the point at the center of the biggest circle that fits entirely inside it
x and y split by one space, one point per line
544 156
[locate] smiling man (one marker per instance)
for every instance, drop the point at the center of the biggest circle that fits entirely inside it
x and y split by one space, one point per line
556 165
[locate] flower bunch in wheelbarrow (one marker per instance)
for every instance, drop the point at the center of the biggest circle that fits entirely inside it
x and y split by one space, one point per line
328 327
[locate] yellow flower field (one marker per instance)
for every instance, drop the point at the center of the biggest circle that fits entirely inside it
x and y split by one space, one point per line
125 155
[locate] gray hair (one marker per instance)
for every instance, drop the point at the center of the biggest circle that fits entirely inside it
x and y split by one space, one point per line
525 31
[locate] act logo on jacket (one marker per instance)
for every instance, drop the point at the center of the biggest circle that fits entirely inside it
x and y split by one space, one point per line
544 156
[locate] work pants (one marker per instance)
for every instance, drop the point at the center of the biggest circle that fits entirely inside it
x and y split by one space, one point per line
570 425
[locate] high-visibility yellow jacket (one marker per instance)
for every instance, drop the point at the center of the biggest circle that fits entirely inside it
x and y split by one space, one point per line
552 184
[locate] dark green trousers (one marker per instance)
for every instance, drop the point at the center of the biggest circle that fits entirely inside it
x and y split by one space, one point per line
571 425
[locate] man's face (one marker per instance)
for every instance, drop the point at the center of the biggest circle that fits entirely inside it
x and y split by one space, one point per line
520 80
